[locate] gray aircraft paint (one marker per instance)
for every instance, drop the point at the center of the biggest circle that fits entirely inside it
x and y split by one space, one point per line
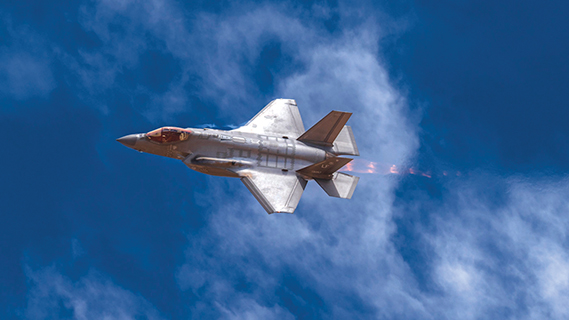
265 153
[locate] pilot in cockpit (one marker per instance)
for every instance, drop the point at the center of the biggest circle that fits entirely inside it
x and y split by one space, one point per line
168 135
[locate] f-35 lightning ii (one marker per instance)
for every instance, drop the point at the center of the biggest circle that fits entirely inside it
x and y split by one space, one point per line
272 154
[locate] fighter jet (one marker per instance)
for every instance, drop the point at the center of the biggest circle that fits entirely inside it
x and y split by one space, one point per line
272 154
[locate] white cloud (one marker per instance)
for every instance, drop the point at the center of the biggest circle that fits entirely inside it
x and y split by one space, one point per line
52 295
344 250
250 309
216 49
507 259
333 258
341 248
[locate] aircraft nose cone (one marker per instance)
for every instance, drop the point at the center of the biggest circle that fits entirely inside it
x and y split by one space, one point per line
129 140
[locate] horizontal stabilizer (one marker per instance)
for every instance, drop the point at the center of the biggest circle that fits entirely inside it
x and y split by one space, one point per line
327 129
342 185
324 169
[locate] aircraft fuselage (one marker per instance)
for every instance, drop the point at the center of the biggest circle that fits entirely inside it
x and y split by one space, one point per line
222 153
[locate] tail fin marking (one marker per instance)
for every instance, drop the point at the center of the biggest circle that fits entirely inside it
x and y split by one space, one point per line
324 169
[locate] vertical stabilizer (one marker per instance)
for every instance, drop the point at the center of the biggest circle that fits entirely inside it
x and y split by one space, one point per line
342 185
345 143
326 130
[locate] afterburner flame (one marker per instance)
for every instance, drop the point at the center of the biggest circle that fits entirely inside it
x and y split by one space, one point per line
364 166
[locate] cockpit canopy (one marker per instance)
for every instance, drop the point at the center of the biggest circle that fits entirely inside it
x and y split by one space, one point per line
168 134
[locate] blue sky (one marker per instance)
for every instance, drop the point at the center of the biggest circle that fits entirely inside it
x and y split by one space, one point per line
91 229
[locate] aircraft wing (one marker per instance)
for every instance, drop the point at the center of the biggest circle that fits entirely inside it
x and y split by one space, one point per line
276 192
280 117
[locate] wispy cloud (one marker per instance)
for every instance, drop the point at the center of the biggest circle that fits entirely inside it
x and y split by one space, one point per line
25 63
53 296
336 252
334 258
509 260
480 261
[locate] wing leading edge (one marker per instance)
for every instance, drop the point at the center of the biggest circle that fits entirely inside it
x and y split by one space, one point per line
276 192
